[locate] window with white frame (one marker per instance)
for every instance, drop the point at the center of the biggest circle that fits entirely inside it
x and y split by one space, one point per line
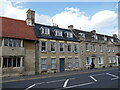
43 64
69 48
53 46
58 33
95 37
114 59
12 61
82 35
69 35
45 30
94 47
100 60
76 62
109 59
87 47
70 62
100 48
53 63
108 48
43 46
61 47
88 62
76 47
105 38
112 39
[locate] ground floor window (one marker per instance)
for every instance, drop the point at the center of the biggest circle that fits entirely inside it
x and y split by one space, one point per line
88 60
100 60
53 63
114 59
44 64
109 59
70 62
12 61
76 62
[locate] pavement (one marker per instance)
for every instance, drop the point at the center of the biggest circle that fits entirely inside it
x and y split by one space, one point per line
97 78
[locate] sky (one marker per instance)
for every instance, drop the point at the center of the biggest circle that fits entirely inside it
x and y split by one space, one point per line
87 16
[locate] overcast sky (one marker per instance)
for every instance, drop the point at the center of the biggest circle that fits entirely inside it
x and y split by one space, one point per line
101 16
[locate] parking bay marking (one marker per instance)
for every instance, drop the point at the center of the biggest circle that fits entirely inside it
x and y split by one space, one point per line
93 78
115 77
31 86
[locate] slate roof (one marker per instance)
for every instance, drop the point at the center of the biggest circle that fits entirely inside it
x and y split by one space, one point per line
52 35
88 35
13 28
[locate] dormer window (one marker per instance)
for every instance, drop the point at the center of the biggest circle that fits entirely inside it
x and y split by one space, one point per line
112 39
105 38
82 35
69 35
58 33
45 30
95 37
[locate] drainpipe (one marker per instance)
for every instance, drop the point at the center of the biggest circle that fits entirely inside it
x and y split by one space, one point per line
36 57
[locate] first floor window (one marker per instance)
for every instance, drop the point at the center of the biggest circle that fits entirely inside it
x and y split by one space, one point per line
53 63
100 60
87 47
76 47
53 46
61 47
43 46
69 48
88 60
5 62
43 64
76 62
70 62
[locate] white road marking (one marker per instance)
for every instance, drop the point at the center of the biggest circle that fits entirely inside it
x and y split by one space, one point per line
93 78
80 85
112 75
115 78
65 84
30 86
47 82
98 74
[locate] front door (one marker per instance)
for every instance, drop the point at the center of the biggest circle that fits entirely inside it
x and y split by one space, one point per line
62 64
93 63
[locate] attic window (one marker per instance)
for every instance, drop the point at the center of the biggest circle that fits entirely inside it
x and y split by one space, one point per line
69 35
95 37
58 33
105 38
45 30
82 35
112 39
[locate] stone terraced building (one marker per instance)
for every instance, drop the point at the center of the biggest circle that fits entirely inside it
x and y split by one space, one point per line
31 48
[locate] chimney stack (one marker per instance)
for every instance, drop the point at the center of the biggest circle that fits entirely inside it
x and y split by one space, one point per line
114 35
30 17
93 32
70 27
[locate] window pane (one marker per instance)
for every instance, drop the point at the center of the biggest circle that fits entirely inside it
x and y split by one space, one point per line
69 47
10 42
9 62
6 42
14 62
4 62
43 46
14 43
61 47
53 46
18 62
0 41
